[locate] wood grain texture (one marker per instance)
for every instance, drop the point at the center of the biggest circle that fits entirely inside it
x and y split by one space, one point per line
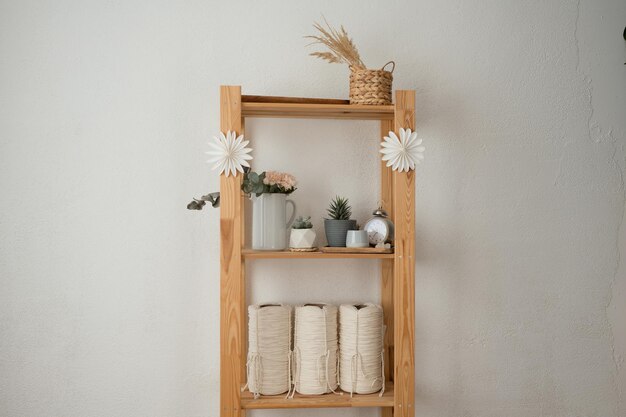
318 111
243 308
386 293
320 401
260 254
341 249
404 268
279 99
232 287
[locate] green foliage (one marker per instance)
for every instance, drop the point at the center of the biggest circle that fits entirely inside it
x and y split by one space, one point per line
275 188
213 198
253 183
339 209
302 223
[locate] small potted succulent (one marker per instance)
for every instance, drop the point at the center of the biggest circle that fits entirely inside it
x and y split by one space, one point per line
337 226
302 234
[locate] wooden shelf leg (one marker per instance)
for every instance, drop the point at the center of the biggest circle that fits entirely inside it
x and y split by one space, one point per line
404 268
386 297
232 288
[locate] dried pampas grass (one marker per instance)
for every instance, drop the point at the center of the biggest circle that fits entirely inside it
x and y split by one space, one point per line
342 49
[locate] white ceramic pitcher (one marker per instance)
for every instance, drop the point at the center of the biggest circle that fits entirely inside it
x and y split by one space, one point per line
269 221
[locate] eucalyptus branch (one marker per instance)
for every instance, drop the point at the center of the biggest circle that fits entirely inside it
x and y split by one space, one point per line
213 198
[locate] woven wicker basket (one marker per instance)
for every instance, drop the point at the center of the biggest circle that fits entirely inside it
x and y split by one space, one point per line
369 86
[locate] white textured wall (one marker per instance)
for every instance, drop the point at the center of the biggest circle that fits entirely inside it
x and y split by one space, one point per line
109 287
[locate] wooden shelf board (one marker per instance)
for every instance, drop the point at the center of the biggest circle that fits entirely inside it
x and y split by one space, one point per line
261 254
319 401
331 249
280 99
316 110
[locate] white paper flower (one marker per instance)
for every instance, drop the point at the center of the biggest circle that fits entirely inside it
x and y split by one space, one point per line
229 153
402 153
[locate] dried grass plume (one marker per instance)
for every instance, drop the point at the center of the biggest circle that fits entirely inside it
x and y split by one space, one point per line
341 47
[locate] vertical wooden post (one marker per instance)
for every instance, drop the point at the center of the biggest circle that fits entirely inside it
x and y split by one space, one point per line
404 268
386 291
232 288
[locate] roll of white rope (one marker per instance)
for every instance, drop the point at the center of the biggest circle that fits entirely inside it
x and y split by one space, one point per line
361 349
269 349
315 349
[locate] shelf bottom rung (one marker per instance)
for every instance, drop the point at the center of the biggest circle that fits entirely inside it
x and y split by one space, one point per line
320 401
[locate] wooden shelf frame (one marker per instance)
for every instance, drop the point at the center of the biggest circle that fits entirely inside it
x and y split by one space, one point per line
260 254
341 400
397 269
302 108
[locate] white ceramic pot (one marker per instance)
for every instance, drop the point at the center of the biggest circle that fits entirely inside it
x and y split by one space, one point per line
269 221
357 239
302 238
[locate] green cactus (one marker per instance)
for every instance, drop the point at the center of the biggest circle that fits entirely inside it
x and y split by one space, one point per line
339 209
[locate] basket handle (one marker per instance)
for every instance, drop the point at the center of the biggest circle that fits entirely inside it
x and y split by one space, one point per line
392 68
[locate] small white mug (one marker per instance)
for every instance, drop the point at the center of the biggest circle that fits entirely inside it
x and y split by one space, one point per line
357 239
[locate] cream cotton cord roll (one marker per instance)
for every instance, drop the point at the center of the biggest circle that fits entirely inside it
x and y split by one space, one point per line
315 351
269 349
361 350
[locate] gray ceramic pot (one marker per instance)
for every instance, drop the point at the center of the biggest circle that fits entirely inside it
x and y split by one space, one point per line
336 231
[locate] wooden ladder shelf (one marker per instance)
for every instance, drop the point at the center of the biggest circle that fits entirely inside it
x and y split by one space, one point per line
397 269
